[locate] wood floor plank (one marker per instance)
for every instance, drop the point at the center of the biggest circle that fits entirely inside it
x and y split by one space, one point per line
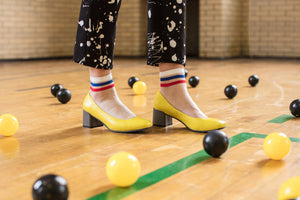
51 138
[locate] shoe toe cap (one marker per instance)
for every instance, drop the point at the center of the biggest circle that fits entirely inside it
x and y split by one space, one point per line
209 124
143 123
222 123
216 123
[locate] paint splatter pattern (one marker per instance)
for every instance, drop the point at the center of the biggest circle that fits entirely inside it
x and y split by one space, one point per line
166 32
96 31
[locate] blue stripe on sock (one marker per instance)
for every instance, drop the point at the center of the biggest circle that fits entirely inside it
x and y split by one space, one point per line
172 77
101 84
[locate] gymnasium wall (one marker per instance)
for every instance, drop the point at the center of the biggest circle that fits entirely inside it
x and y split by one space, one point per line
45 29
131 38
227 28
37 28
210 29
274 28
250 28
220 28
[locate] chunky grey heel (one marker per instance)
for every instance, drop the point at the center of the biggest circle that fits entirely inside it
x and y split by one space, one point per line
89 121
161 119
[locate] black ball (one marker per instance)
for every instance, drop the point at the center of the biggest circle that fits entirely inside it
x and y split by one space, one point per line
186 72
253 80
215 143
64 96
55 88
132 80
295 108
194 81
50 187
230 91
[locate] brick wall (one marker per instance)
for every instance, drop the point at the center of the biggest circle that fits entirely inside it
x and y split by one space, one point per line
274 28
43 28
37 28
231 28
131 36
244 32
210 34
222 28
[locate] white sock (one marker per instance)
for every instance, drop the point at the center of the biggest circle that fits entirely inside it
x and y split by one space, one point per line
103 91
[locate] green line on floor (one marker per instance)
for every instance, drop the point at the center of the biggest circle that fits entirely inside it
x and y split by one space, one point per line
281 119
295 139
172 169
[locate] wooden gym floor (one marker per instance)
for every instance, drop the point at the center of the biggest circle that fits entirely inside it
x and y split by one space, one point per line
174 166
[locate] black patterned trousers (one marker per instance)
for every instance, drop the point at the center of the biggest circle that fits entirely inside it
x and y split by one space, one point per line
96 32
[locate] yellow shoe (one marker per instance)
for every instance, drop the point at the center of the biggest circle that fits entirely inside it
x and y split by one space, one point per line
94 116
163 113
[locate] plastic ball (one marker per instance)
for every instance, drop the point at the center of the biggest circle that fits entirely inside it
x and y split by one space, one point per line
253 80
194 81
276 145
290 189
132 80
230 91
64 96
50 187
9 125
215 143
55 88
295 108
123 169
139 87
186 72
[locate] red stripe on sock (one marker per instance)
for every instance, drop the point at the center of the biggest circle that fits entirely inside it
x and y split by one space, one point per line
173 83
101 89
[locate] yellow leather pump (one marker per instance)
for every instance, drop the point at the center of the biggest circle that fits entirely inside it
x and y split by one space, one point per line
94 116
163 113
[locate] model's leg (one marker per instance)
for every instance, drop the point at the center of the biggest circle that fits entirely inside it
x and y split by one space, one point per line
106 96
96 32
175 89
166 49
94 48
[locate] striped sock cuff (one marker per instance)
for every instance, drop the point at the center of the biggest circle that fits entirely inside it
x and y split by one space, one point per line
101 83
172 77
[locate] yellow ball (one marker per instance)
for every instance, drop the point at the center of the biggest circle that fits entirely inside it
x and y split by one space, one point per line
139 87
277 145
290 189
123 169
8 125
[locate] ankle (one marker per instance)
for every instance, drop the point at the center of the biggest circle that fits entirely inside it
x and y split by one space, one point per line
103 96
102 91
172 82
169 66
173 88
